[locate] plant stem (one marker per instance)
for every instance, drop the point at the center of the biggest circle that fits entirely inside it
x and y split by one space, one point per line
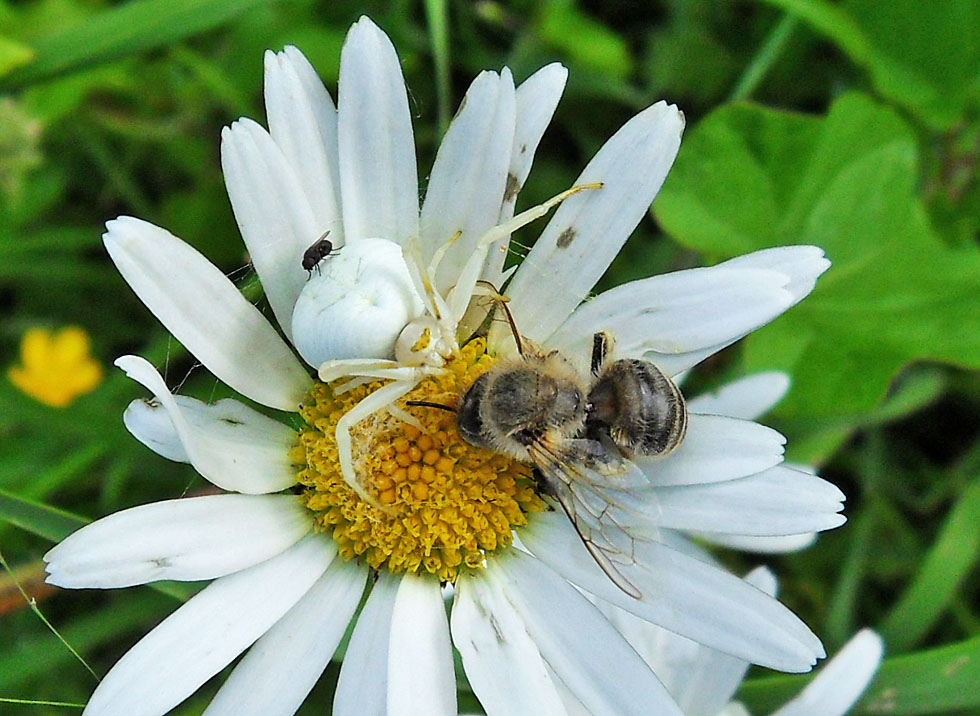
765 58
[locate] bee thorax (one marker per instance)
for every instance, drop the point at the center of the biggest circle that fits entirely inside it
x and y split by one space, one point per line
518 404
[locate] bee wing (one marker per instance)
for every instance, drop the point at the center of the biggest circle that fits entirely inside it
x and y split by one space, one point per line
596 489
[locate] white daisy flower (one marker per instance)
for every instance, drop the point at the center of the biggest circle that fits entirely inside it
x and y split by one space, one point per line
704 681
776 511
392 496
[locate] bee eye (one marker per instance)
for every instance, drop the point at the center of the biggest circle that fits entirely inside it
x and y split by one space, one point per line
468 419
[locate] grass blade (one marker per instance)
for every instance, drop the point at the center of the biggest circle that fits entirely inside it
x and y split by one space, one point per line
950 558
128 28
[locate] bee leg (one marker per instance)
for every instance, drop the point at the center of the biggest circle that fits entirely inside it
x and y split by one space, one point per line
541 484
602 345
501 302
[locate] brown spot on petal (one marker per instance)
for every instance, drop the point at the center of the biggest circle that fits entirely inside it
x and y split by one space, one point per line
510 191
566 238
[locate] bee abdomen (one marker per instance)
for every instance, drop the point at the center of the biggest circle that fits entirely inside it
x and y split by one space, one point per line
638 407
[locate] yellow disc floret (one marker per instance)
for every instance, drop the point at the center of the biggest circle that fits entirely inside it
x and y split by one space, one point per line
446 503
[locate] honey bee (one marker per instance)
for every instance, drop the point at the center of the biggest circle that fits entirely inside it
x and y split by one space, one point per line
580 433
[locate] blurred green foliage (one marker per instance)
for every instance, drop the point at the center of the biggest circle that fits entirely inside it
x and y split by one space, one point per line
853 125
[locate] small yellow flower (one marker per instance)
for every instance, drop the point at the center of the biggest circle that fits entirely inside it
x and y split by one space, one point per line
57 366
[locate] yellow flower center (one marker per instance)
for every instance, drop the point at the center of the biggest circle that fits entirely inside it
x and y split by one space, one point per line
57 367
448 503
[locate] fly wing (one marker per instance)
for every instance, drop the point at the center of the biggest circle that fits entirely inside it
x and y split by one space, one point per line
607 498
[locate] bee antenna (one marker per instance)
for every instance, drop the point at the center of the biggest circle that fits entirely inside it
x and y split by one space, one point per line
501 301
427 404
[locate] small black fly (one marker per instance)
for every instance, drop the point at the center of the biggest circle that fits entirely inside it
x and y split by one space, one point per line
321 249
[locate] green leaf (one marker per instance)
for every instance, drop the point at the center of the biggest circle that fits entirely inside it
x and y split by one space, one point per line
834 22
13 54
749 178
585 40
132 27
40 519
34 657
925 56
928 682
816 439
950 558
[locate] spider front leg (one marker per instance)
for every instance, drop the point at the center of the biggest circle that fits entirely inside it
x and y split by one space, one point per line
361 367
379 399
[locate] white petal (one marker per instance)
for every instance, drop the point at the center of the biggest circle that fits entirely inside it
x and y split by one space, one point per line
377 149
362 689
205 634
573 707
588 229
747 398
537 99
714 449
187 539
206 313
467 183
501 661
734 709
762 545
420 663
777 501
683 543
672 319
803 264
145 420
685 595
273 213
303 122
715 677
585 651
281 668
701 680
841 682
356 305
229 444
254 448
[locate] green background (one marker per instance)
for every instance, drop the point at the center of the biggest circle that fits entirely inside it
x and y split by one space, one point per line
852 125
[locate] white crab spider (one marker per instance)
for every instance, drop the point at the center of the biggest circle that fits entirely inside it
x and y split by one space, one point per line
440 322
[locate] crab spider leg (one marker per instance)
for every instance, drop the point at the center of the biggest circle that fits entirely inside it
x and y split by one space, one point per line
440 252
404 372
459 297
423 286
363 377
379 399
405 417
351 384
424 278
333 369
